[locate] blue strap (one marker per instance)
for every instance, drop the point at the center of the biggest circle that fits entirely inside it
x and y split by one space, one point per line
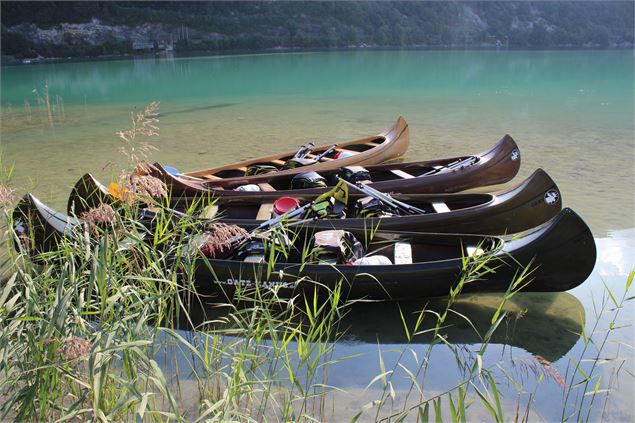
174 171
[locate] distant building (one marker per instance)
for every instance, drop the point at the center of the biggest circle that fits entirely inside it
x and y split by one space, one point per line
167 45
142 45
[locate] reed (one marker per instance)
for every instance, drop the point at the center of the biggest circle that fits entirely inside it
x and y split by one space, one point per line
61 113
49 112
87 332
44 105
27 110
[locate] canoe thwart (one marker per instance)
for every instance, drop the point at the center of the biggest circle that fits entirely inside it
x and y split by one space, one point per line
440 207
266 187
403 253
264 212
401 174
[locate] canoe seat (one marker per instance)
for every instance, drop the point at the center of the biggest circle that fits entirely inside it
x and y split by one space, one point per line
403 253
242 169
440 207
349 152
264 212
209 212
401 174
211 177
266 187
278 162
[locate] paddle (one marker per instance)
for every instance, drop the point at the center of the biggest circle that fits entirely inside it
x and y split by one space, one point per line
303 151
384 198
453 165
339 192
326 153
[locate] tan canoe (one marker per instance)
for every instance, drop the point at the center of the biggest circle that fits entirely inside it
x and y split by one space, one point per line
388 145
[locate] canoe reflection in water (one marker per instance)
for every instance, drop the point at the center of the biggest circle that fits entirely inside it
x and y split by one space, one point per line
544 324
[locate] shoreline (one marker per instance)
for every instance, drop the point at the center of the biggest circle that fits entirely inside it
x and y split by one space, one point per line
13 61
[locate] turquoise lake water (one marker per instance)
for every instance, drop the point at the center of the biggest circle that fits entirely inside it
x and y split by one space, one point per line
571 113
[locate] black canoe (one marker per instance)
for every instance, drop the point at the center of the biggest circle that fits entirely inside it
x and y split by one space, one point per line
495 166
529 204
559 254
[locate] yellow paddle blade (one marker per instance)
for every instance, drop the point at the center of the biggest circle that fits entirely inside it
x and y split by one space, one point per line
339 192
118 192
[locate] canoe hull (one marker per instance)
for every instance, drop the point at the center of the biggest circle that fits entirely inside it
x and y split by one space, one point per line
530 204
561 254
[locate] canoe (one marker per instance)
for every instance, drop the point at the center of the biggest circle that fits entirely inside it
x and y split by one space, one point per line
494 166
388 145
529 204
559 256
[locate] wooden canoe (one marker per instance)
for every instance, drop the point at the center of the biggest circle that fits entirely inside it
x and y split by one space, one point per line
560 255
529 204
388 145
495 166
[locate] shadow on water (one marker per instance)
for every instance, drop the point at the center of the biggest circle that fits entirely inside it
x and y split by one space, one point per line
198 109
545 324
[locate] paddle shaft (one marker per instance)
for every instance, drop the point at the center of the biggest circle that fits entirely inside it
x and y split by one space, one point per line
453 165
385 198
326 153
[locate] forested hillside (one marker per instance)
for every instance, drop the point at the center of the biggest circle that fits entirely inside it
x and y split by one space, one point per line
96 27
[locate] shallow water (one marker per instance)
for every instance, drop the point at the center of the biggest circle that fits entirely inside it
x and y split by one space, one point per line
571 113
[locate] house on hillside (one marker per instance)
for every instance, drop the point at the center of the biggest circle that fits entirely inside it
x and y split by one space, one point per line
140 45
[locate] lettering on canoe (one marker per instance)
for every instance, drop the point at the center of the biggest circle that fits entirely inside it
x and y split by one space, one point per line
248 283
515 154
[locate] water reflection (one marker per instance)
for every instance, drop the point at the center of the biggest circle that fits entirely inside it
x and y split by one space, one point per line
544 324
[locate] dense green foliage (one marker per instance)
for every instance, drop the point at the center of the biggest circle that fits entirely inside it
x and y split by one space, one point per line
263 25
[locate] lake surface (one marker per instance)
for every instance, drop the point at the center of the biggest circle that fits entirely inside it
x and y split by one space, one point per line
571 113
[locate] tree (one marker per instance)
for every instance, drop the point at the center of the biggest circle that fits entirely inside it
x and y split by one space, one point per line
538 36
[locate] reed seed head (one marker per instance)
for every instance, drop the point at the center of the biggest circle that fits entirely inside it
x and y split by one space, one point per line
98 217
